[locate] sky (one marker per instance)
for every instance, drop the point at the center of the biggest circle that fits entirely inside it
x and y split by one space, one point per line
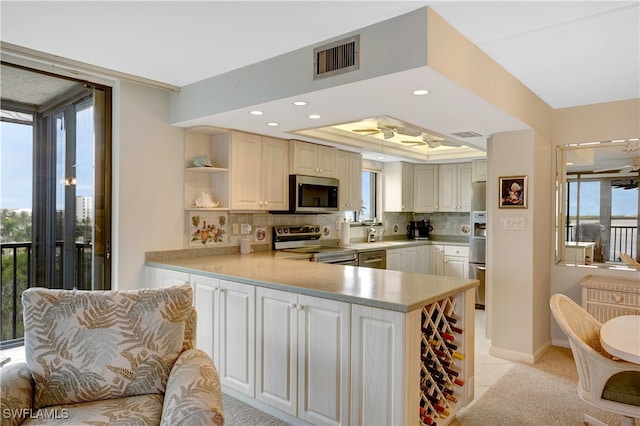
16 162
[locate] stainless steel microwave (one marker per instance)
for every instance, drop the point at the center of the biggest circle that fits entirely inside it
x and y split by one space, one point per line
312 194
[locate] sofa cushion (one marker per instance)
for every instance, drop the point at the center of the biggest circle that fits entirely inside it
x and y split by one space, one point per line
142 410
91 345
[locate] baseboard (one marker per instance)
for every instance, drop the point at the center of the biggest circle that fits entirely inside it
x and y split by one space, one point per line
519 356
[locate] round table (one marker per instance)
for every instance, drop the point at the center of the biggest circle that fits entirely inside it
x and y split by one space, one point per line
620 337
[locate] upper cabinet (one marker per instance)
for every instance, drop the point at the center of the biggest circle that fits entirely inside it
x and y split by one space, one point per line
201 179
479 171
398 187
312 160
349 173
247 172
259 172
425 188
454 181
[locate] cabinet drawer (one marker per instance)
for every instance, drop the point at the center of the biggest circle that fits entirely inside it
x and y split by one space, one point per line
604 313
613 297
456 251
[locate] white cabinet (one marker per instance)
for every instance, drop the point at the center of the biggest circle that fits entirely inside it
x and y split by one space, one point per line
408 259
435 259
606 297
425 188
377 367
456 261
302 355
479 171
398 187
454 182
163 278
211 180
259 172
312 159
349 173
226 329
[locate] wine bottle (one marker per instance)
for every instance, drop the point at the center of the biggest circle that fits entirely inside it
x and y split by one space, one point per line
457 355
458 381
452 320
451 398
451 346
448 336
455 329
451 372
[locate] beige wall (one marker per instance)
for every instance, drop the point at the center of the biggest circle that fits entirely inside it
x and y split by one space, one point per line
148 172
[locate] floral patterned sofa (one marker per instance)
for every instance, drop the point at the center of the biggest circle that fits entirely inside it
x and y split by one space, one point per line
111 357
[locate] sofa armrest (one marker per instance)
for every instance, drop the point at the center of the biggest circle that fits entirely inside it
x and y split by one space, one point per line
193 394
16 393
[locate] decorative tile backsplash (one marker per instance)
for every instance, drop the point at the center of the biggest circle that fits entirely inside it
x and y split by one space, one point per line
394 225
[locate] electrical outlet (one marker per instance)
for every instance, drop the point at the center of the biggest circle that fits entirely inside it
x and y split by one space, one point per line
235 229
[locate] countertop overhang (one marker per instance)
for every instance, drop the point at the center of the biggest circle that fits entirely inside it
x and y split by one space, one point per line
391 290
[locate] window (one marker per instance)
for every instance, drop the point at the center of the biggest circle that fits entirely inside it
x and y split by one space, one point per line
55 192
371 205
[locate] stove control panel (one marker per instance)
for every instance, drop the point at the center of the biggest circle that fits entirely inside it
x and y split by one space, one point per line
296 232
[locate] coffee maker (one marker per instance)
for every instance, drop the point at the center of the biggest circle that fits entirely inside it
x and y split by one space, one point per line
419 230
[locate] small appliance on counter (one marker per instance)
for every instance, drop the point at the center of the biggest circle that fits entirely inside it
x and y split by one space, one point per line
419 229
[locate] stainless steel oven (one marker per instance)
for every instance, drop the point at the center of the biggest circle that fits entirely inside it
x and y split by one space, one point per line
303 240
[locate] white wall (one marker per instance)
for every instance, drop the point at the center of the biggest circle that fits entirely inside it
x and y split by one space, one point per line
148 175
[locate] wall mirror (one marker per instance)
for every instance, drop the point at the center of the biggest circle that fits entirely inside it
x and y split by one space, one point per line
597 204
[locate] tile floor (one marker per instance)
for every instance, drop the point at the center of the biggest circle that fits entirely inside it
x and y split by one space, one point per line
488 369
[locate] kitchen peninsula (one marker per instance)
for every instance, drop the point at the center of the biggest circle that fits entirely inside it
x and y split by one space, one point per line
331 344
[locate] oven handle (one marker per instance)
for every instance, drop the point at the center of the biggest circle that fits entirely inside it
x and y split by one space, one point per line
374 260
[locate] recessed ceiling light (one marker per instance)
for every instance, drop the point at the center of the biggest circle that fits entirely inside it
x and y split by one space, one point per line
420 92
256 112
299 103
273 124
314 116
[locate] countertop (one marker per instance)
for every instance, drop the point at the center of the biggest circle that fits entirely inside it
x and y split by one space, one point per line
391 290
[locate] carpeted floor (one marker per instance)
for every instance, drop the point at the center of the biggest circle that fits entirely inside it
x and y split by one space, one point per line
540 394
527 395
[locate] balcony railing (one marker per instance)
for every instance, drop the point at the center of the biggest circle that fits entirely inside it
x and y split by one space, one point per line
16 278
622 239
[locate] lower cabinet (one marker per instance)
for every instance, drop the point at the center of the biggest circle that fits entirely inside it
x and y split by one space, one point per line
302 356
163 278
226 330
456 261
435 259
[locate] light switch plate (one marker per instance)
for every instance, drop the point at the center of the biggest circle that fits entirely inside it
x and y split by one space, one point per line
512 224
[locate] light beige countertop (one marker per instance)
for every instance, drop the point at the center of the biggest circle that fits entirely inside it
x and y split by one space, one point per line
392 290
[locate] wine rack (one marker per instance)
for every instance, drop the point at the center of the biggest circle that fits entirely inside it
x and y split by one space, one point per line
441 367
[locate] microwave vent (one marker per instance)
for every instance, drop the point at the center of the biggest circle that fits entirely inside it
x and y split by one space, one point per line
336 58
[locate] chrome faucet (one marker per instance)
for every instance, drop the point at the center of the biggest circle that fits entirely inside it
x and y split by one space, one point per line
371 235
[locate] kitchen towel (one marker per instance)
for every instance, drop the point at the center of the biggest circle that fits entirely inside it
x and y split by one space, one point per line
345 234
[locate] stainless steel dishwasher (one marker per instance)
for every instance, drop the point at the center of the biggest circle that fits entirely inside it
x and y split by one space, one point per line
373 259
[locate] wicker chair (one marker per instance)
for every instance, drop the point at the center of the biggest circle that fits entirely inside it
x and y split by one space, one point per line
603 382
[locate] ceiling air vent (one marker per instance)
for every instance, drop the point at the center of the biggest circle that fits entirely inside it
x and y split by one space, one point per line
466 134
336 58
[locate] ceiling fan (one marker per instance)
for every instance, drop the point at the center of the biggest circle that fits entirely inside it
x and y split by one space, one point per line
389 132
634 166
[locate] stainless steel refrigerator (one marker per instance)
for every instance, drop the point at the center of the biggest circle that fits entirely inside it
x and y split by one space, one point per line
478 239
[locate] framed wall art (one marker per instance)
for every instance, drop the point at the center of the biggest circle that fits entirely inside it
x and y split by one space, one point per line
513 192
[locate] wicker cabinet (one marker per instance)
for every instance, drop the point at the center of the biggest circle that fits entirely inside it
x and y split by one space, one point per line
606 297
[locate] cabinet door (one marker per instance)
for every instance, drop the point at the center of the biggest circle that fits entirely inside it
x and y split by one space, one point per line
464 187
447 187
163 278
354 162
435 260
326 165
412 261
377 373
456 267
246 171
395 260
425 188
275 174
479 171
398 187
205 300
342 174
323 360
237 336
277 346
303 158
